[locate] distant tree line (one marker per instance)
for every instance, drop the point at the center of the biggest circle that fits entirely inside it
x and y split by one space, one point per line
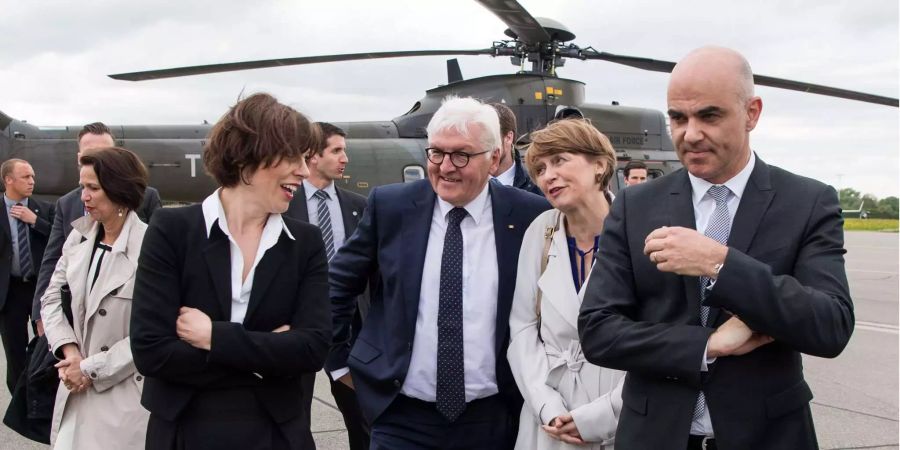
886 208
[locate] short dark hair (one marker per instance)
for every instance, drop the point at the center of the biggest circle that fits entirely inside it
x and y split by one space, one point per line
507 119
121 174
634 165
328 130
8 166
256 132
98 128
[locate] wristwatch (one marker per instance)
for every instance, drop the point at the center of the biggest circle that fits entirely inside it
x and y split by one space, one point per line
716 269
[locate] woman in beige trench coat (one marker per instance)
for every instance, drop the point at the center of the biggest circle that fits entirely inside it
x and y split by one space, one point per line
98 400
569 402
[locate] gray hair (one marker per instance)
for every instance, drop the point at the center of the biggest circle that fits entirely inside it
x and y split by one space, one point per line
458 113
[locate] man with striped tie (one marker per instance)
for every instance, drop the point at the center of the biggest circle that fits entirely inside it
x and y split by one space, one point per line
336 211
23 237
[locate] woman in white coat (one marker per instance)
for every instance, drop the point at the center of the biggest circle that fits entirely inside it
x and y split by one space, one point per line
569 403
98 400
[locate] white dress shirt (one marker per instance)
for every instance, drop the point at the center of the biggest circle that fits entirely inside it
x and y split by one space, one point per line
704 206
508 177
334 208
240 289
480 280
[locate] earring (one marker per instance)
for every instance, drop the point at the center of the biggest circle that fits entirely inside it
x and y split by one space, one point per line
120 211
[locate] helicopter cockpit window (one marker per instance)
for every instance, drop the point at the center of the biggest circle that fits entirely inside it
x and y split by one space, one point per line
566 112
414 108
413 173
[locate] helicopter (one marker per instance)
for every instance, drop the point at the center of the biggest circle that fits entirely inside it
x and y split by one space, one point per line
393 150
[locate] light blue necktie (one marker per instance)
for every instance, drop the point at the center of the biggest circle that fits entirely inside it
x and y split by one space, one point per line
718 228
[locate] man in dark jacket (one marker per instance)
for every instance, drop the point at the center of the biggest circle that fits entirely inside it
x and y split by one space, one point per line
510 171
23 238
70 207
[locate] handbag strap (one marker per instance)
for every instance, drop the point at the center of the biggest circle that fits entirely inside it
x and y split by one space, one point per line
545 258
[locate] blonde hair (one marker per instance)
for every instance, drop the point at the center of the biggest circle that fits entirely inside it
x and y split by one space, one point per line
572 136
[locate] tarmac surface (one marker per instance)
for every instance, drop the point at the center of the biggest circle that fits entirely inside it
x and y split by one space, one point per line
856 394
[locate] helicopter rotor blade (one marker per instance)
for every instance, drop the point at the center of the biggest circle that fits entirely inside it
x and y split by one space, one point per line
518 19
761 80
260 64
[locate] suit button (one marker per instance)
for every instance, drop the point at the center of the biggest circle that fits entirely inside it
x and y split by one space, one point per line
102 312
104 349
139 378
93 374
397 383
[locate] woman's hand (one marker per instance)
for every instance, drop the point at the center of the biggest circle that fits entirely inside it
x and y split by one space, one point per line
563 428
69 370
194 327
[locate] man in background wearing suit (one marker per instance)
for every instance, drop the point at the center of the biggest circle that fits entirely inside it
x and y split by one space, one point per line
510 171
336 212
429 366
24 237
69 207
709 298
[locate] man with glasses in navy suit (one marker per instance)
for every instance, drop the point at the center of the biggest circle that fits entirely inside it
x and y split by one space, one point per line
429 366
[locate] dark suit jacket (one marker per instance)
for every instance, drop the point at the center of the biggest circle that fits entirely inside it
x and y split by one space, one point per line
390 244
784 276
68 208
352 207
180 266
521 179
37 239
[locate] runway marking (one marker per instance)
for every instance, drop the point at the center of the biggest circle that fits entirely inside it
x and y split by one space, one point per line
880 272
879 327
326 403
892 419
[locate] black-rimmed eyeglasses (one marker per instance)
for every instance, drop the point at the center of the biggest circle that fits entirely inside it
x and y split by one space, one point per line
458 159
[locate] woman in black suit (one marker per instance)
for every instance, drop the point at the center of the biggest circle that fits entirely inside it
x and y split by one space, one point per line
231 300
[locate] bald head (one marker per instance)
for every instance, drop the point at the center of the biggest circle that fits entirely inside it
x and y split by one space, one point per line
712 111
715 67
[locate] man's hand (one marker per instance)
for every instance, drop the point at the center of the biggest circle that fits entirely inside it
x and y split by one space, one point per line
684 251
562 428
24 214
282 329
194 327
347 380
734 338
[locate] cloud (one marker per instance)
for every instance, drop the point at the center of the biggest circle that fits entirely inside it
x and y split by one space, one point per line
54 71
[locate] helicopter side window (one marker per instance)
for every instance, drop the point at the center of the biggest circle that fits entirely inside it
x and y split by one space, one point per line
620 178
413 173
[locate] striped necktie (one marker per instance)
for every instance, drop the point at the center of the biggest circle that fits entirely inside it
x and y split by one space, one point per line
325 221
718 228
25 269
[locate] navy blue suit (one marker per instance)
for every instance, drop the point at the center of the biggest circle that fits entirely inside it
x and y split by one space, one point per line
390 243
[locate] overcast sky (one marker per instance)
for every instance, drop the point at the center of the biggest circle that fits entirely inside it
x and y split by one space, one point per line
56 56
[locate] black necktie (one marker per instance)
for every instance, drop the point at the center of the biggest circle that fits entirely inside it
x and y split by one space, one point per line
24 250
450 392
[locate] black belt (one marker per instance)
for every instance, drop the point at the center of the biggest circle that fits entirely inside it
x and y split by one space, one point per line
22 279
701 443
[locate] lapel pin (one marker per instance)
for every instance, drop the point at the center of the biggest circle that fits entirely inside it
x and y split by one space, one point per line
511 226
354 214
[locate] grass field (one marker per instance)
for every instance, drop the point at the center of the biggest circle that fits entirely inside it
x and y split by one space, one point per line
871 225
